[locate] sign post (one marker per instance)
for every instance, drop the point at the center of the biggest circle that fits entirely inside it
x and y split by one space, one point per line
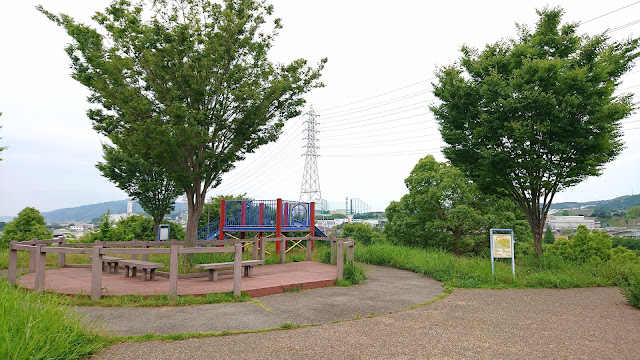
502 247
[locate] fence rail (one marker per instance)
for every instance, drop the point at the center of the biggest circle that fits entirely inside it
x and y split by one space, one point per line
39 248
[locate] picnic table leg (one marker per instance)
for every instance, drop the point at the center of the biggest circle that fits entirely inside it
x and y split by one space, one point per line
215 275
133 271
152 274
144 274
210 274
115 267
126 271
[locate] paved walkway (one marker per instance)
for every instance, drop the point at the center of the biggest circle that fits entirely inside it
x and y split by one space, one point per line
591 323
385 290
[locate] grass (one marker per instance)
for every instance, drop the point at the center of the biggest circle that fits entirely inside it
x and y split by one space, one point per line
630 284
148 301
353 274
469 272
33 326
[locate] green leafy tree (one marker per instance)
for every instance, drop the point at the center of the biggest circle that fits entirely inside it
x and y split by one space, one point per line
633 213
141 227
362 233
187 85
531 116
29 224
142 181
107 230
137 227
444 209
549 238
584 246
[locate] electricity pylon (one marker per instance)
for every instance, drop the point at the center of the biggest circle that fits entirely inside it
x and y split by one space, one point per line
310 189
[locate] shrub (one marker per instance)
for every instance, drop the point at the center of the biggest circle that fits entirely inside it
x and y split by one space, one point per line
362 233
630 284
34 326
584 246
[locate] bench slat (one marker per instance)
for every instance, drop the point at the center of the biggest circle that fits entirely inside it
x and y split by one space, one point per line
228 264
142 264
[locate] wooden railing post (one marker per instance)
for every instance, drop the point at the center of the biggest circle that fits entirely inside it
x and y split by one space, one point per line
32 257
350 250
309 248
41 267
237 270
263 247
173 270
134 245
96 272
61 256
254 255
283 247
333 250
13 263
145 257
340 258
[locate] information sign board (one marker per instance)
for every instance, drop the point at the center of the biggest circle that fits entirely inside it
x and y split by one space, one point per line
502 247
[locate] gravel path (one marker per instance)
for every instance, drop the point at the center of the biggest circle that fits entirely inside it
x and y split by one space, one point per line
385 290
593 323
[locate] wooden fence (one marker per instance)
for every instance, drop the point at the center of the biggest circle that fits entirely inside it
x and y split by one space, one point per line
38 250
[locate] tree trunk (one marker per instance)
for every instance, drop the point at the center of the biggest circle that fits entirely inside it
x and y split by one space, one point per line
537 240
156 227
195 202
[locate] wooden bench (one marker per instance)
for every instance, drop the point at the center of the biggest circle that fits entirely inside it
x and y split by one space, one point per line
144 265
111 262
247 266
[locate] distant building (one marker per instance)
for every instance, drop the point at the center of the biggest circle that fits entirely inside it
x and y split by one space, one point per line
628 233
572 222
633 223
117 217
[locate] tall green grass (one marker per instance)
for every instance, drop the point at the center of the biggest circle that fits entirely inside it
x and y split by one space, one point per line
32 326
630 284
475 272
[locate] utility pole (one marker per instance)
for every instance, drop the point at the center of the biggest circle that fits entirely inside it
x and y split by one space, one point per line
310 189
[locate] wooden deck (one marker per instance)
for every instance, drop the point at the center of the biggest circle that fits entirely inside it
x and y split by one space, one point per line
266 280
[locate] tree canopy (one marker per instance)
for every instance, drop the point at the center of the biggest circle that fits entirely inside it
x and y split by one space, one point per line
29 224
142 181
444 209
633 213
531 116
187 85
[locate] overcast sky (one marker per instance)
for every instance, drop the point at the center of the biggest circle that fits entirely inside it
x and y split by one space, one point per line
374 118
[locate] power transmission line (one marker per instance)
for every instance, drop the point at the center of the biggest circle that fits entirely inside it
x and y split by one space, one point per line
609 13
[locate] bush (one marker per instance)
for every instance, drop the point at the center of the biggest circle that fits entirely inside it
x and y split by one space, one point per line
41 329
584 246
630 284
362 233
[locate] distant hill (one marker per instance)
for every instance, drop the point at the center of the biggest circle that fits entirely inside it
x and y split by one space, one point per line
619 203
87 212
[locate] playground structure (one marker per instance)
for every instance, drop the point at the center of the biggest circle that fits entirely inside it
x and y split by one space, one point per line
277 217
99 251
